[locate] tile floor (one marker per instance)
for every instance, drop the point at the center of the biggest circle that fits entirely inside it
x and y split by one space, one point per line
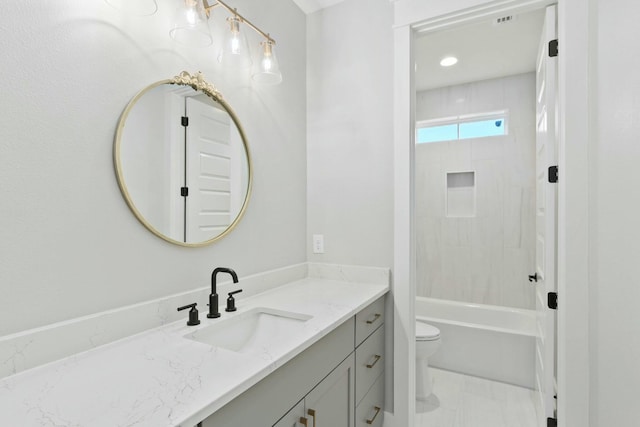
464 401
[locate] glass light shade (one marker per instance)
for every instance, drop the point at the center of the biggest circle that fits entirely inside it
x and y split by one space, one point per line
190 26
134 7
235 49
268 71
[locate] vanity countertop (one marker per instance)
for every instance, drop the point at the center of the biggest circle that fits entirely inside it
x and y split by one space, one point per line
159 378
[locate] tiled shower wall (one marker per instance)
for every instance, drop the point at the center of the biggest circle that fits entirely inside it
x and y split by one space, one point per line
485 258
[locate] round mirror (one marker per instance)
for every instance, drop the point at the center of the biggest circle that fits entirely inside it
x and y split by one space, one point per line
182 161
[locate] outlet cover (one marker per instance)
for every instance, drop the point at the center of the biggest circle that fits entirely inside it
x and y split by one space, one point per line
318 243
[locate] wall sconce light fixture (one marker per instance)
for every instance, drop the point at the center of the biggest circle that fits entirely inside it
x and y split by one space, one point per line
191 28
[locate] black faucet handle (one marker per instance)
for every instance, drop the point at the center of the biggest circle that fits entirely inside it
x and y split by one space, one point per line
231 302
193 314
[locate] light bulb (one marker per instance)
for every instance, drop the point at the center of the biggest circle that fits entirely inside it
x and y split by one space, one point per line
235 45
267 63
191 16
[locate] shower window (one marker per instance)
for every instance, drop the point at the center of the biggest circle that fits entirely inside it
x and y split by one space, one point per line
462 127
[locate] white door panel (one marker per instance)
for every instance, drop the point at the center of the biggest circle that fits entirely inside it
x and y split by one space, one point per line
209 171
546 217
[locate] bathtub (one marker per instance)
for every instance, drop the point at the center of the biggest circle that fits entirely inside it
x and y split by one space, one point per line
492 342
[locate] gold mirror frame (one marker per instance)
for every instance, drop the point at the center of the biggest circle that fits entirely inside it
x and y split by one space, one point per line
198 83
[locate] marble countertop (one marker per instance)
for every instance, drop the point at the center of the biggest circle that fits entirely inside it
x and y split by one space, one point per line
160 378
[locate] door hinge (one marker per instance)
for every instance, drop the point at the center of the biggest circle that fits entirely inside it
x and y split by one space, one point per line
552 422
185 121
184 191
552 300
553 174
553 48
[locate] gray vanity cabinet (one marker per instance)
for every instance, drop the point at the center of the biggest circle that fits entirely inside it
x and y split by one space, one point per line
337 382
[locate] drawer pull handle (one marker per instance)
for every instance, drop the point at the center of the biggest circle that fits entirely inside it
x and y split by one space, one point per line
303 421
312 413
377 408
375 317
376 358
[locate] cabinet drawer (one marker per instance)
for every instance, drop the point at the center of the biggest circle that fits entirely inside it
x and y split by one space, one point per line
369 363
369 319
370 412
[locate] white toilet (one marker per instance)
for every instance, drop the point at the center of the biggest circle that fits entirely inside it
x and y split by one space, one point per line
427 342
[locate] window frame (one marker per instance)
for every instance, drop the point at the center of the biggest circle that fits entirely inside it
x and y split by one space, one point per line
461 119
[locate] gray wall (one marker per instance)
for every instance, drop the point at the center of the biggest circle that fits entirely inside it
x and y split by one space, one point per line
485 258
350 132
70 246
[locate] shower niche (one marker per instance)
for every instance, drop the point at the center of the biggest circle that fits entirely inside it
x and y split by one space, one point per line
461 194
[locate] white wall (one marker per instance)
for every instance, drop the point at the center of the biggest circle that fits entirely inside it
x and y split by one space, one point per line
487 257
613 213
70 246
349 135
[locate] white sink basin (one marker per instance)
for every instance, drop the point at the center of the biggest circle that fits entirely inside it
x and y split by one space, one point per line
259 329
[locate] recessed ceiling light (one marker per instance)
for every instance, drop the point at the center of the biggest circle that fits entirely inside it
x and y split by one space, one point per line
449 61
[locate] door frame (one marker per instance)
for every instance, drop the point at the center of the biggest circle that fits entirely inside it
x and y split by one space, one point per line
574 62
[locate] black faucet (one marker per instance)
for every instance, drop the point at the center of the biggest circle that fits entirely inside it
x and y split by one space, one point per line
213 297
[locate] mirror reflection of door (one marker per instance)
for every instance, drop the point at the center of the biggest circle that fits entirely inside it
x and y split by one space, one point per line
208 170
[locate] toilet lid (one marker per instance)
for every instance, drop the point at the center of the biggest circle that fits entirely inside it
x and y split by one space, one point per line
426 332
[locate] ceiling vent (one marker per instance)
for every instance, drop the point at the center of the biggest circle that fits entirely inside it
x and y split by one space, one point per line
500 20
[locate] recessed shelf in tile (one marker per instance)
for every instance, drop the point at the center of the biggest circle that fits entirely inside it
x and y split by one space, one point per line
461 194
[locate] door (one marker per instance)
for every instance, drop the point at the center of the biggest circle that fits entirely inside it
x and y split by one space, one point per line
208 210
332 402
546 216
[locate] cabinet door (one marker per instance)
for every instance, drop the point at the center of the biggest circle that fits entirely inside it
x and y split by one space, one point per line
331 403
293 418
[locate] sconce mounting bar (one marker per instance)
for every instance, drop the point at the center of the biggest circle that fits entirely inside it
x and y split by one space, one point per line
234 11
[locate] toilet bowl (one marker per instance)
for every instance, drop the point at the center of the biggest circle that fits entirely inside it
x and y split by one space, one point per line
427 343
